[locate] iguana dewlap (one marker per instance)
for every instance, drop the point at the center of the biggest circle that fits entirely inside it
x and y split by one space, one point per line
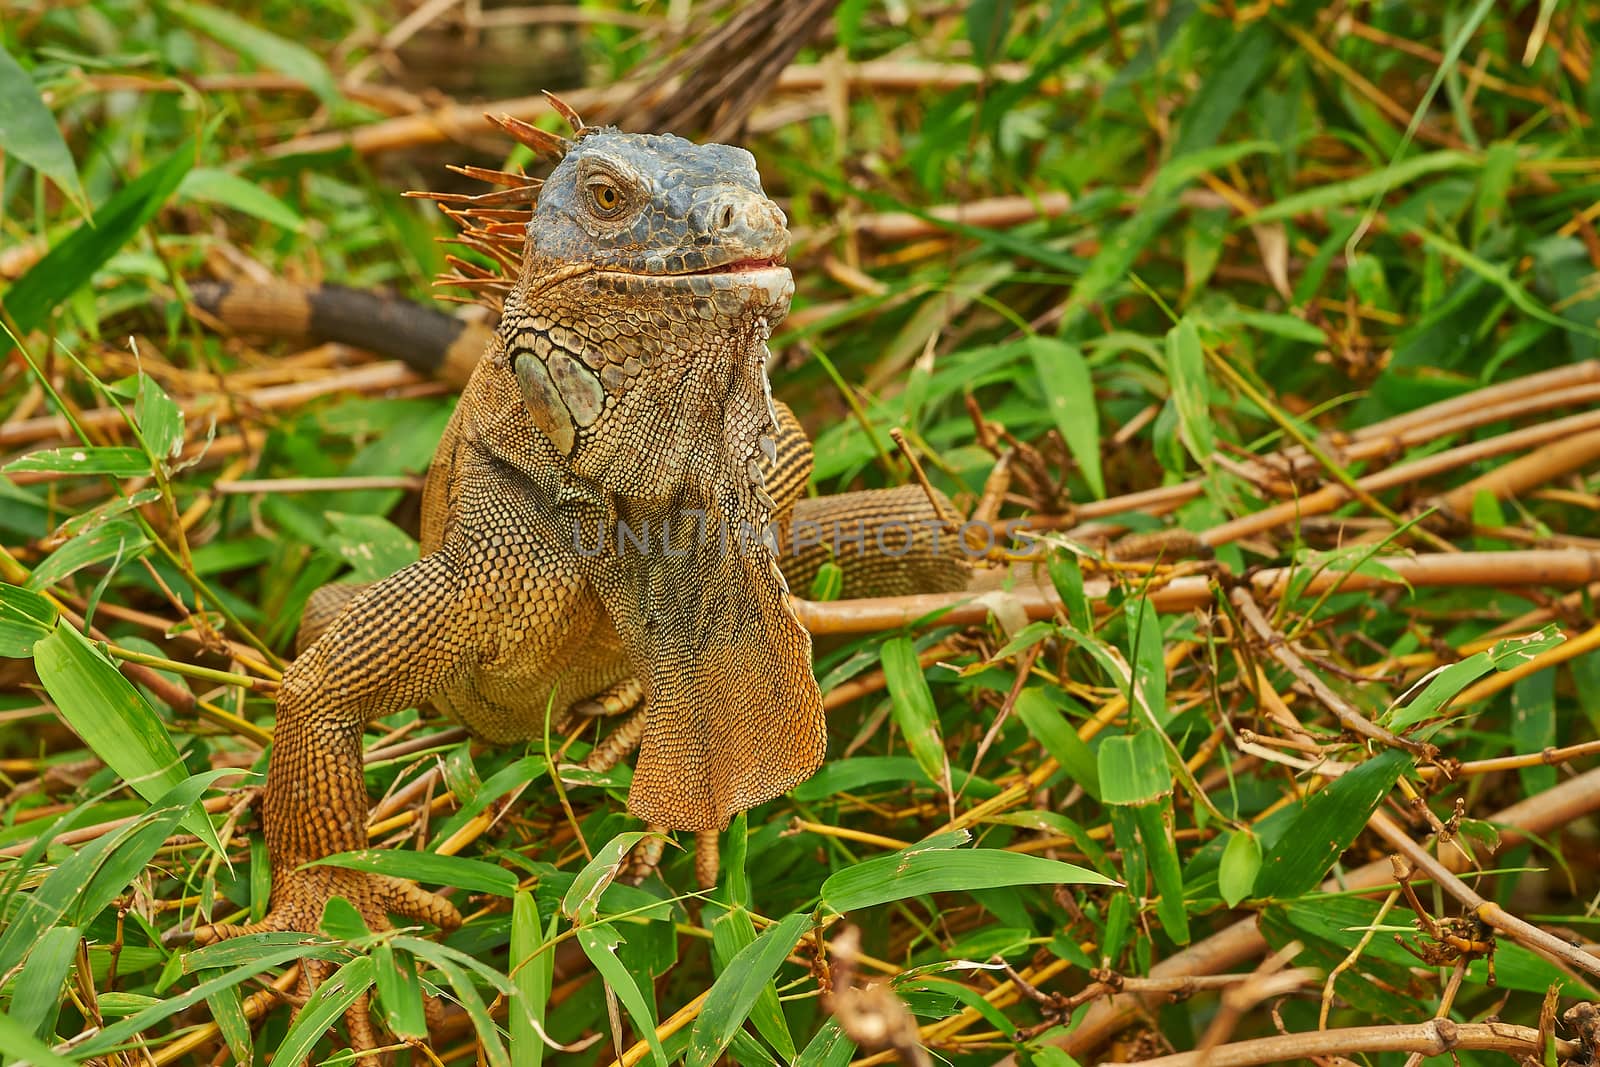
624 386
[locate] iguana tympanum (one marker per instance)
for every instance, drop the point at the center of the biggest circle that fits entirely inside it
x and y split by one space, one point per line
625 384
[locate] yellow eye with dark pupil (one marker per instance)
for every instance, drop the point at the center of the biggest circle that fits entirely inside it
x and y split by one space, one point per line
606 197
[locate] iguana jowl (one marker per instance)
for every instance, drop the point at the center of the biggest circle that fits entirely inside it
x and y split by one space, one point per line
624 388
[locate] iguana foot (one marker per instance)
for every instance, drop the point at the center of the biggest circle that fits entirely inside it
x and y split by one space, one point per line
618 744
298 901
645 858
299 898
617 700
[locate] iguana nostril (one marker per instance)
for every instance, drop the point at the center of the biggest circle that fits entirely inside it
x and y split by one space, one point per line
727 216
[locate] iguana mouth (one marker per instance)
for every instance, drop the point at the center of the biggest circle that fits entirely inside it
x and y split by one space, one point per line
742 266
751 265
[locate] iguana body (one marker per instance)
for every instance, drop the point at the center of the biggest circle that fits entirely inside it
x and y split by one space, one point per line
625 383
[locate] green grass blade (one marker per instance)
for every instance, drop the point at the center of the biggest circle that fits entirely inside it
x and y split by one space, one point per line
477 876
25 617
16 1039
107 712
399 992
36 993
1325 826
582 900
118 461
1069 391
600 943
1133 769
914 872
1155 827
324 1008
532 971
28 131
747 977
914 710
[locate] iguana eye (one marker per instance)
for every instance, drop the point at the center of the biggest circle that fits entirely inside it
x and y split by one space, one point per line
606 198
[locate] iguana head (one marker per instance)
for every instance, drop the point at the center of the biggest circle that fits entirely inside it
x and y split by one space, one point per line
652 277
659 207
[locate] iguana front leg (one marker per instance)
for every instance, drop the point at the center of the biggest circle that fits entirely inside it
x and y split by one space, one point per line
316 800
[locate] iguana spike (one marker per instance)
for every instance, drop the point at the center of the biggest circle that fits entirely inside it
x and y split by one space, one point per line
551 146
566 111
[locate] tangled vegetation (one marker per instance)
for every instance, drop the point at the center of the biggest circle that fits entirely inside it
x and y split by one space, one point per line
1277 323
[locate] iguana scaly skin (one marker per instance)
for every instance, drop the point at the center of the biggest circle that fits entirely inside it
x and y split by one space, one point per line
625 383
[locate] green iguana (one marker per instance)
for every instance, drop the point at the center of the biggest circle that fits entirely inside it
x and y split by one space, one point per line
597 521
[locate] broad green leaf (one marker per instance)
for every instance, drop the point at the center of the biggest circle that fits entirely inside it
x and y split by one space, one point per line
1241 862
341 921
72 262
25 617
120 541
119 461
1325 826
441 955
1447 683
1495 180
18 1041
1133 769
1500 275
107 712
399 991
582 900
988 22
1202 248
373 546
159 420
828 583
919 870
862 772
733 932
227 1011
253 948
120 1005
324 1008
1048 725
36 993
455 966
28 131
1228 81
283 948
476 876
599 943
829 1048
516 775
1534 722
129 859
737 988
1069 393
1119 920
215 186
914 712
